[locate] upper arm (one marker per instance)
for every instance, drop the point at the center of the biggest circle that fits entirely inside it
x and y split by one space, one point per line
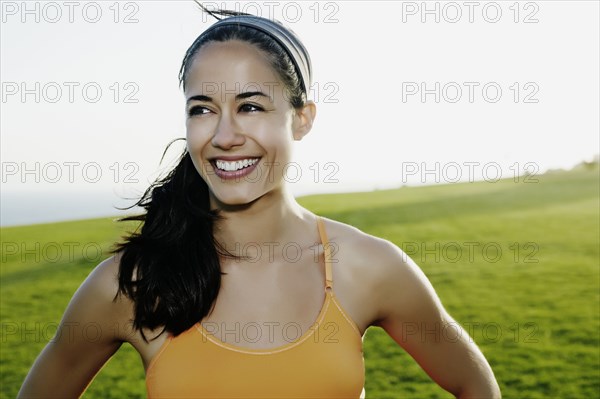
91 330
412 314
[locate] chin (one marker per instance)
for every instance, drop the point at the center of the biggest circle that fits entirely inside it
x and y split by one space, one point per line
232 198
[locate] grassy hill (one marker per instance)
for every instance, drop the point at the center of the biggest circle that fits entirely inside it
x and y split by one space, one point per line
516 264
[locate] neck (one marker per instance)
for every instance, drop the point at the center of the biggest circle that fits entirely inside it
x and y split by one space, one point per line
266 220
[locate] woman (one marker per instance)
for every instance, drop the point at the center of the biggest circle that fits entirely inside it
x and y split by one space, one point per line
209 320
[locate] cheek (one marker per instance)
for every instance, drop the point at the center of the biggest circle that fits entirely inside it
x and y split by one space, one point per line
196 140
276 146
273 134
196 135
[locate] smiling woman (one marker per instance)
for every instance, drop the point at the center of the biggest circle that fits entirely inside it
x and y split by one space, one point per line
211 322
240 144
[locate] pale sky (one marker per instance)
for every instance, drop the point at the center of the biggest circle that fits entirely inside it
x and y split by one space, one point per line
517 87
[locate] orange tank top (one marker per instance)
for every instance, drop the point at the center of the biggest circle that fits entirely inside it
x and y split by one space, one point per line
324 362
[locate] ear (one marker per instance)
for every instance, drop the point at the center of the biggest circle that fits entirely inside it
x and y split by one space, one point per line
303 120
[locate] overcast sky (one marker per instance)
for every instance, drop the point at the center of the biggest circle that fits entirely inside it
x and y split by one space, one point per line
406 94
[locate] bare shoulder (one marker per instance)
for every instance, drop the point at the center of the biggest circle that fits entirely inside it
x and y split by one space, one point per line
372 256
97 301
103 281
370 269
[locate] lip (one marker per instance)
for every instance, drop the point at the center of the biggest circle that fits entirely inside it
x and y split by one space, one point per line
233 175
231 158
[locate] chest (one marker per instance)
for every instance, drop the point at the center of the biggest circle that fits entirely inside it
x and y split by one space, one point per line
263 308
325 362
267 308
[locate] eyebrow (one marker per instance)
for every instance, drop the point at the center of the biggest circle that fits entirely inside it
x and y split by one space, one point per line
241 96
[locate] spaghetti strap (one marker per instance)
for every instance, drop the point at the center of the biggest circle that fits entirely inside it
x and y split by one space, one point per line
326 253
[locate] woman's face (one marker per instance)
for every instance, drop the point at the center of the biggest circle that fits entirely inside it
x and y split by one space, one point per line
240 126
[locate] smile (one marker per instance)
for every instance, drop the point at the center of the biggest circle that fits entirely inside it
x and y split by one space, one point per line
234 169
232 166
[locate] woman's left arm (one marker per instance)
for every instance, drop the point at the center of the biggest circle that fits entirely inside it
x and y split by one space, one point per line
410 311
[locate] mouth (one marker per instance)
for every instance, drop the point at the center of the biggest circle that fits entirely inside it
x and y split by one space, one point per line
234 168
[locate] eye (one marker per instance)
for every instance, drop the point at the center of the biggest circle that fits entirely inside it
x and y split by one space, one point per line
198 110
250 108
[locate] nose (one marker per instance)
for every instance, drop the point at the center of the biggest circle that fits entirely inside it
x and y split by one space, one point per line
227 133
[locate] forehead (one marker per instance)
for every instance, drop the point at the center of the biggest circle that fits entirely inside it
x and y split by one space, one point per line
230 66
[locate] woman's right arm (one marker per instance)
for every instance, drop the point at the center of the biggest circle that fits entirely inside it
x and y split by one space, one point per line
93 327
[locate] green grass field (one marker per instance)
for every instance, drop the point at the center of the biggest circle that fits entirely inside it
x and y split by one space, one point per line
516 264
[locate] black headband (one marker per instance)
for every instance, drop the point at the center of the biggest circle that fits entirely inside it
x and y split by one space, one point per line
282 35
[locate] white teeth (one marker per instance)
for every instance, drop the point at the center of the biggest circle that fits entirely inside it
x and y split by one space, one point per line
235 165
